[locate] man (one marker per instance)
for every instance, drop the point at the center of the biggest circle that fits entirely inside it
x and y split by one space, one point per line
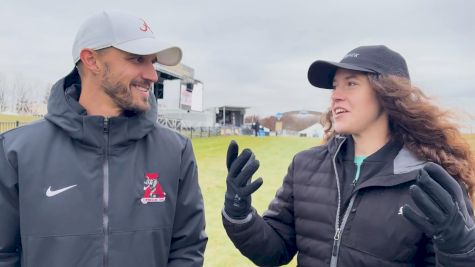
99 182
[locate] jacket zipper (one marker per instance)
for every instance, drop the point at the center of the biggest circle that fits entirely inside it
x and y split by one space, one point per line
339 226
105 192
338 232
355 181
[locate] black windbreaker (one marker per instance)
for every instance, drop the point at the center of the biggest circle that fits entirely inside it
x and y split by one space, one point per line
330 221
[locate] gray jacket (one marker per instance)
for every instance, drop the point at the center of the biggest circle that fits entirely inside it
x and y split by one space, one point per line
78 190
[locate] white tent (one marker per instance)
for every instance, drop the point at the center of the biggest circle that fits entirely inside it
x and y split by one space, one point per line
315 130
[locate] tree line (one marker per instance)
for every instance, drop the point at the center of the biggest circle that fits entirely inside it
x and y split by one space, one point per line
21 94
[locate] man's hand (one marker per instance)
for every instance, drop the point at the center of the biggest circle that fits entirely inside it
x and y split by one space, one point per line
237 200
445 216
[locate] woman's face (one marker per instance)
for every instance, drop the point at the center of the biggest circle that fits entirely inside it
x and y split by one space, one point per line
354 105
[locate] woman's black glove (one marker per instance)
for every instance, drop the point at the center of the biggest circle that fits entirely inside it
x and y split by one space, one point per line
237 200
445 215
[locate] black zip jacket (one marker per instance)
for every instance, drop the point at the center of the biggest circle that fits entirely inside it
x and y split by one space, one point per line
329 220
78 190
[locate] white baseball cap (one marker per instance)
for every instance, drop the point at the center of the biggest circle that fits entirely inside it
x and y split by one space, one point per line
125 32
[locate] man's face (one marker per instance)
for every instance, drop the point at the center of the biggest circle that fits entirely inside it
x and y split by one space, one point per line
127 78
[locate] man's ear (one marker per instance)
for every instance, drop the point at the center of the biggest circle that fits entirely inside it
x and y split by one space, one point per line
89 59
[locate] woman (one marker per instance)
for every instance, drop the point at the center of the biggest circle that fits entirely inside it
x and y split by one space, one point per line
390 186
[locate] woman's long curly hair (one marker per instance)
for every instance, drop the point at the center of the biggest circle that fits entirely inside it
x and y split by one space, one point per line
426 130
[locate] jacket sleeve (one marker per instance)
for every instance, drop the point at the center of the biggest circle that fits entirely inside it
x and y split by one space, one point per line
466 259
189 238
268 240
10 245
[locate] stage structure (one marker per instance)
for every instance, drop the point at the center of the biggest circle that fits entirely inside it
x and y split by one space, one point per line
180 97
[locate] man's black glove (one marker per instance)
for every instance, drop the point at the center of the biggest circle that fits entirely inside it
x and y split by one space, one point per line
237 200
445 215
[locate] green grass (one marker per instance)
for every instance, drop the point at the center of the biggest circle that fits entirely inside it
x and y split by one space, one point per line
274 154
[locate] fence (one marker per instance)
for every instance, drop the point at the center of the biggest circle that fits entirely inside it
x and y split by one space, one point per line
178 125
193 132
5 126
189 128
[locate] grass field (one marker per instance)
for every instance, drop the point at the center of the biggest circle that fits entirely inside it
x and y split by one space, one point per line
274 154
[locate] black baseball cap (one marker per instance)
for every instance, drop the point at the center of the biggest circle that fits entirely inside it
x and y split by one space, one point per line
373 59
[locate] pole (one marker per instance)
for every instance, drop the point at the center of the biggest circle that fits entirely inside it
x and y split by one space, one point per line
224 115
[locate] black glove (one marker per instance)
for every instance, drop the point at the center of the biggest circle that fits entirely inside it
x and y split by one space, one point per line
445 215
237 200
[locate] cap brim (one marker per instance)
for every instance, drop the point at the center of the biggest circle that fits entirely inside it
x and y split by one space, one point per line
170 56
320 73
166 54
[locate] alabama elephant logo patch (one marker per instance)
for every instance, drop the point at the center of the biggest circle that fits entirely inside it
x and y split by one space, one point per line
153 191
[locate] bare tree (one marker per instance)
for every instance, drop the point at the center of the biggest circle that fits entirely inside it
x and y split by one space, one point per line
251 119
47 93
269 122
20 93
22 90
293 120
3 88
23 104
3 101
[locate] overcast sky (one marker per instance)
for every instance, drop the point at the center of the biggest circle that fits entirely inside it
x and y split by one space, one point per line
257 53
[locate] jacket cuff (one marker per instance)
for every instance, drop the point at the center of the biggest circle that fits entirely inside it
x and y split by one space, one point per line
456 260
237 221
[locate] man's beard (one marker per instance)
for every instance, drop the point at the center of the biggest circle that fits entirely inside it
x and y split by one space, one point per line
120 93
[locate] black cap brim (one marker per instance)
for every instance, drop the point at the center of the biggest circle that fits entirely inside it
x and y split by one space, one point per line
320 73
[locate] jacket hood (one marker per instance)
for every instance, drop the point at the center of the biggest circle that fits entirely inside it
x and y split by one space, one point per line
65 112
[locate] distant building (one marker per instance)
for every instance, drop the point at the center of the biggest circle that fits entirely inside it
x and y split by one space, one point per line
180 97
230 115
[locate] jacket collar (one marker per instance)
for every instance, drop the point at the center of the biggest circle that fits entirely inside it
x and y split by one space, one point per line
391 165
